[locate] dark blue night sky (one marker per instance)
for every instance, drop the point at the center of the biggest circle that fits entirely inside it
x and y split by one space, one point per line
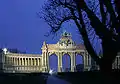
21 28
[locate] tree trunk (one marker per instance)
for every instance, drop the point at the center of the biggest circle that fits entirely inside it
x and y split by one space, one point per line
109 54
105 66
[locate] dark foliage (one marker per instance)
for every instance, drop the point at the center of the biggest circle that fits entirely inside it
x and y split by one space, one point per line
99 19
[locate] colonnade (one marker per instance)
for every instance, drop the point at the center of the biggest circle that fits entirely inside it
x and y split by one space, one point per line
22 63
86 60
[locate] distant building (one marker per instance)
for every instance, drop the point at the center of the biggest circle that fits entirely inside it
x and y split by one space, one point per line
116 64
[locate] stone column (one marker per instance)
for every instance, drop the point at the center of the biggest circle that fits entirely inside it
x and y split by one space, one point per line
60 62
11 59
34 64
31 64
11 63
47 61
28 67
14 63
25 64
17 60
38 62
25 61
85 60
28 62
89 60
72 62
43 61
22 64
34 61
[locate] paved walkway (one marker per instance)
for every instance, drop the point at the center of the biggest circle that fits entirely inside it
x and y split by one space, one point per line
54 80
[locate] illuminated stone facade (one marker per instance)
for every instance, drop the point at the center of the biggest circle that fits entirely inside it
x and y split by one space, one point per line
15 62
21 63
65 46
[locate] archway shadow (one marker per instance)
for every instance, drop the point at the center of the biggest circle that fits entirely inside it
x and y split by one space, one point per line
66 63
79 63
53 62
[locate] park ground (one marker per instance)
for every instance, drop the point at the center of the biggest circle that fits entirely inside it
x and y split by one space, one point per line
95 77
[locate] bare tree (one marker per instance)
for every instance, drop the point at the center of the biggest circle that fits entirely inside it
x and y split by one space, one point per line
104 27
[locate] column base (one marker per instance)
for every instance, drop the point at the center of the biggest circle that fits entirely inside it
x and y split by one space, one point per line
73 69
44 69
60 69
87 68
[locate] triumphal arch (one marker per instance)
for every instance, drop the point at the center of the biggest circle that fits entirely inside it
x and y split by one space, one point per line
65 46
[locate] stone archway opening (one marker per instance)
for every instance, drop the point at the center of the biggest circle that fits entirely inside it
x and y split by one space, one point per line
66 63
53 62
79 63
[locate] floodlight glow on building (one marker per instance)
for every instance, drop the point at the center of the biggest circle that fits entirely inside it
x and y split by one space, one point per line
51 71
5 50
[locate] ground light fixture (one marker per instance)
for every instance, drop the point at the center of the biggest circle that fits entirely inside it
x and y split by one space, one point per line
51 72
